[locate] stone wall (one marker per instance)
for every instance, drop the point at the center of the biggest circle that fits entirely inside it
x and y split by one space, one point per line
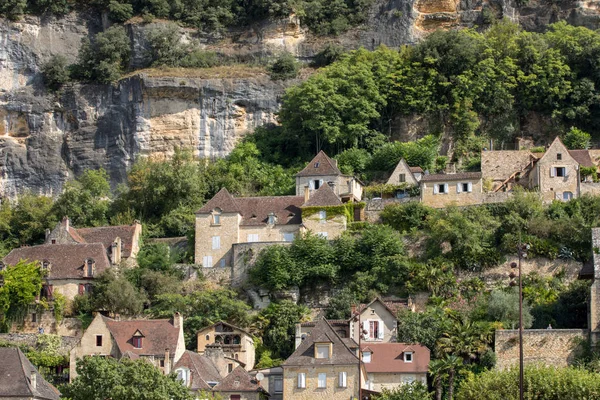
67 327
30 339
556 347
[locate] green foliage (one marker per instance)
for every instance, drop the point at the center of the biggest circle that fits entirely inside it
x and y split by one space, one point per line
85 200
346 209
328 55
541 382
577 139
503 306
59 304
281 319
47 352
21 284
406 217
425 327
101 378
284 67
115 294
13 9
412 391
340 305
104 58
420 153
55 72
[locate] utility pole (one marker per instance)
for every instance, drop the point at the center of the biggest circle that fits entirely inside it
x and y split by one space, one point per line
522 253
360 333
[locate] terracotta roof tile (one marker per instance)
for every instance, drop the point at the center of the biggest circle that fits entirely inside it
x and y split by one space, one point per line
107 235
322 332
389 357
202 370
393 306
159 334
415 169
320 165
222 200
239 380
15 371
501 164
582 157
66 260
450 177
324 196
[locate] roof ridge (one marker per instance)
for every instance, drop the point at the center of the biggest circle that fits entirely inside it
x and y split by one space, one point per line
22 358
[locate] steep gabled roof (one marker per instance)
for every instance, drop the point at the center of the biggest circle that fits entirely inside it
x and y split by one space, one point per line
389 358
66 260
210 327
223 200
322 332
324 196
320 165
202 370
107 235
582 157
498 165
160 334
393 306
555 143
239 380
403 166
15 372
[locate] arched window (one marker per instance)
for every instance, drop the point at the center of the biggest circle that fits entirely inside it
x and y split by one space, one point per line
89 267
216 215
45 265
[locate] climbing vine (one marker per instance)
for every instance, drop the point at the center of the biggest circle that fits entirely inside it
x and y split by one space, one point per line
346 209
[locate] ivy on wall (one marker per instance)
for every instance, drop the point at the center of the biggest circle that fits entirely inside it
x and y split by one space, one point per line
346 209
391 189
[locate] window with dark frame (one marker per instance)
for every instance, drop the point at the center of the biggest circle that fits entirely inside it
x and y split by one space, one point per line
560 171
137 342
559 156
465 187
442 188
98 340
402 178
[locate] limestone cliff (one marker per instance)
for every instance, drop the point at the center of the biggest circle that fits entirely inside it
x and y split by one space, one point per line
45 139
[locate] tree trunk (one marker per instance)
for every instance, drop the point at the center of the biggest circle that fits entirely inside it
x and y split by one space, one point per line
438 389
450 384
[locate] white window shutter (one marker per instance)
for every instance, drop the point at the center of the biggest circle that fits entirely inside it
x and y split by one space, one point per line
301 380
458 185
311 185
365 328
435 189
470 187
342 379
445 188
552 172
381 329
320 182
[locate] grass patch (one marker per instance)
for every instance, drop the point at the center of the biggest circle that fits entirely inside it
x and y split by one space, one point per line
225 71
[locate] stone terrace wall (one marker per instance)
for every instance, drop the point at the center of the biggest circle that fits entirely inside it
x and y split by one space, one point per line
556 347
30 339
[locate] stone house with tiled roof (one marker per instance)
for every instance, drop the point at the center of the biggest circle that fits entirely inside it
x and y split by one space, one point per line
70 268
121 242
404 174
441 190
160 341
323 170
240 385
237 343
390 365
225 220
20 380
323 366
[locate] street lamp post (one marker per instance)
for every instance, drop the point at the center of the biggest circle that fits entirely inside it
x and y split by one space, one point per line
522 253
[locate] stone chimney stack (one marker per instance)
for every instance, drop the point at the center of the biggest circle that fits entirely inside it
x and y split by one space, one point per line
115 253
47 234
177 320
306 193
33 379
167 368
66 223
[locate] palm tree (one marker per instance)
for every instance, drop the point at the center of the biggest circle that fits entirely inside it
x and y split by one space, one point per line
465 339
452 364
438 373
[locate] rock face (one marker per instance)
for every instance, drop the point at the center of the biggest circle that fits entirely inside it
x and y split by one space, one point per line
46 139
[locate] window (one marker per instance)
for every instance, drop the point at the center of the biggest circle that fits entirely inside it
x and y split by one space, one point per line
45 264
322 216
272 219
322 380
317 184
402 178
216 242
89 265
53 241
278 384
222 262
567 196
137 342
559 156
408 356
207 337
322 234
207 262
162 363
317 164
343 379
252 237
322 351
301 380
229 367
374 329
465 187
559 172
183 374
216 217
440 188
34 317
288 237
366 356
98 340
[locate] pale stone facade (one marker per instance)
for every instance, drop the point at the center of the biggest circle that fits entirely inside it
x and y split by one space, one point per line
392 380
403 174
236 343
556 174
461 189
375 313
328 226
345 186
332 389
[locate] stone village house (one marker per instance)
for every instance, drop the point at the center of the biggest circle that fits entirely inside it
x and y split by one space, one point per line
237 344
20 380
226 221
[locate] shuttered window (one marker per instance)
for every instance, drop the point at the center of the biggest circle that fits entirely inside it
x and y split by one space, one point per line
322 380
301 380
342 379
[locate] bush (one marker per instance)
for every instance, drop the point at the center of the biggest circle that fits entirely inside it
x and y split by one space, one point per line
55 72
104 58
577 139
328 55
405 217
541 382
284 67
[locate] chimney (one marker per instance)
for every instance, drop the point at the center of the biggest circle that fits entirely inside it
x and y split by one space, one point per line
115 253
353 309
214 352
167 368
66 223
306 193
47 234
177 320
33 379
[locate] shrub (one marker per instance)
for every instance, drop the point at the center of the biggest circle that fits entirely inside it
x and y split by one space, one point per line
328 55
404 217
55 72
577 139
200 59
165 46
284 67
104 58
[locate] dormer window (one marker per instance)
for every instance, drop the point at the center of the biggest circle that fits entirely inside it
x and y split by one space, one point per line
183 374
137 339
272 219
45 265
216 217
323 350
366 356
90 266
408 356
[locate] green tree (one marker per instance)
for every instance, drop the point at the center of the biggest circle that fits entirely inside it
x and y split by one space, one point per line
102 378
577 139
115 294
104 58
31 217
503 306
278 333
412 391
284 67
21 284
165 45
425 327
13 9
55 72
